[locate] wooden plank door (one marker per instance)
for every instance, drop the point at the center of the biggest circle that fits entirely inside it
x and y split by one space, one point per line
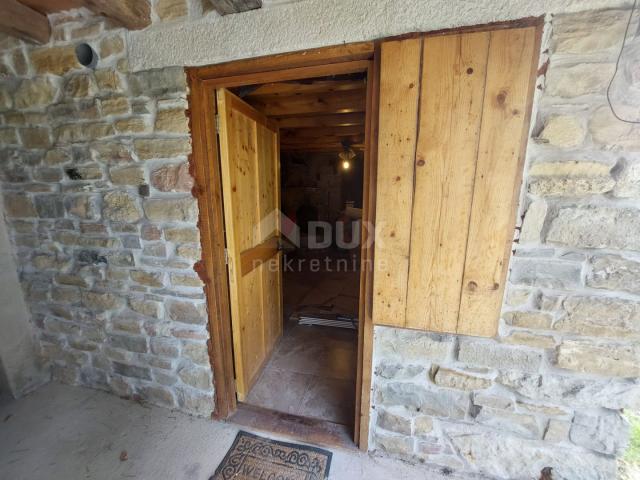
249 155
454 118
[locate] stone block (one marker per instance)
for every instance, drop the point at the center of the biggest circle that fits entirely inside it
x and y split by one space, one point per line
147 278
111 152
129 343
445 377
198 353
17 205
608 359
396 371
570 179
607 131
575 33
157 395
422 425
196 377
494 355
533 222
80 86
171 209
171 120
529 339
83 206
165 347
520 424
627 180
148 308
186 280
54 60
115 106
133 371
600 317
393 422
417 398
613 272
577 80
158 82
121 207
596 227
101 301
557 431
49 206
563 131
147 148
171 9
131 175
536 320
394 444
192 252
36 92
545 273
35 137
132 125
411 346
111 45
196 402
181 234
172 178
603 431
187 312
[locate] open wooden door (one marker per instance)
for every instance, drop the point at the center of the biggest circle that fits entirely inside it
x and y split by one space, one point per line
249 154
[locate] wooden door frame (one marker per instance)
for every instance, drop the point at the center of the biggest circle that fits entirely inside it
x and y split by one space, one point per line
205 168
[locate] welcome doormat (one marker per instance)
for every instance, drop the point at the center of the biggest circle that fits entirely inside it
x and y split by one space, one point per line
252 457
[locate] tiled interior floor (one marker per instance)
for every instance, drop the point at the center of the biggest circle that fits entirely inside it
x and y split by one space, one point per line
312 370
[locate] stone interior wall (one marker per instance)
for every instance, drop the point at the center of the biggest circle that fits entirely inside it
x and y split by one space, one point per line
549 389
105 266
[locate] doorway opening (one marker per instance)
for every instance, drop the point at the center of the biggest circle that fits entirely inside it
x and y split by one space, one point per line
312 369
290 342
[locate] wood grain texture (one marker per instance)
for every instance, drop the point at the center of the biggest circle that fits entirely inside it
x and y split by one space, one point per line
23 22
227 7
453 79
51 6
250 186
398 117
132 14
505 121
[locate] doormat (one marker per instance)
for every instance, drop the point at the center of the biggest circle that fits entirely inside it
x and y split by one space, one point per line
252 457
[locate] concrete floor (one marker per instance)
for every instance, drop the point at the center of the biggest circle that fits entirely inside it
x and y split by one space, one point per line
71 433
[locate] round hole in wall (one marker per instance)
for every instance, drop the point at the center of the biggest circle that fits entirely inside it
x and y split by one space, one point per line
86 55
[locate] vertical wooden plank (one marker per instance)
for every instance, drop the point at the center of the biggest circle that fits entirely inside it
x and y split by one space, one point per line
505 122
399 95
453 79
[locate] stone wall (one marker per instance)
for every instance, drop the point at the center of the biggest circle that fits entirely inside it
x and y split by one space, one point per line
97 195
549 389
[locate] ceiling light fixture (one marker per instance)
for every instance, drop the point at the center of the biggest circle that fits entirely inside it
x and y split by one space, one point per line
346 156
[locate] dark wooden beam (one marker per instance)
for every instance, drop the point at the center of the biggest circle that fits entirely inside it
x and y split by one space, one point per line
336 102
312 121
302 88
132 14
341 131
51 6
226 7
23 22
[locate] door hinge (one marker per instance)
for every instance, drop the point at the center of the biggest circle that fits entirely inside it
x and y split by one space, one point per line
217 123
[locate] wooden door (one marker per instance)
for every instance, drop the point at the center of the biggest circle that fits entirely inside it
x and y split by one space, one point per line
249 154
454 119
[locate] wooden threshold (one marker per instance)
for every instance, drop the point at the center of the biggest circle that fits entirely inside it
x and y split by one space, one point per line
293 427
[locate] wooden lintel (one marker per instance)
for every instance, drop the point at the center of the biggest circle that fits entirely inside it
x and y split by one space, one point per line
132 14
23 22
226 7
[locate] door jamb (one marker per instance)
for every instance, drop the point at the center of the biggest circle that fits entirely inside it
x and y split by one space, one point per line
204 166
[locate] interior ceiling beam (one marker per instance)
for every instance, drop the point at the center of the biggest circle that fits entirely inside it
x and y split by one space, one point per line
313 121
226 7
335 147
301 88
132 14
341 131
24 22
345 102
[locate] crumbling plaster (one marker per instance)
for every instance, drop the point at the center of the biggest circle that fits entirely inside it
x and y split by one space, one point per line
305 24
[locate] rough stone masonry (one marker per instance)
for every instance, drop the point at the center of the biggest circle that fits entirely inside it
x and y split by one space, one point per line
549 390
107 272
